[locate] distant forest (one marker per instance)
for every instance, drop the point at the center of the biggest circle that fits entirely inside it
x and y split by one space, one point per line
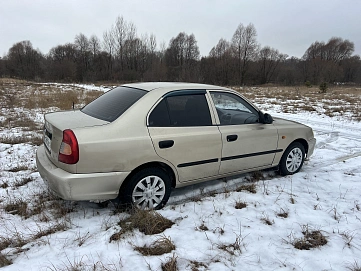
123 56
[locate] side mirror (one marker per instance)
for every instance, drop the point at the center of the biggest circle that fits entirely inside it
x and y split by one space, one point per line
265 118
268 119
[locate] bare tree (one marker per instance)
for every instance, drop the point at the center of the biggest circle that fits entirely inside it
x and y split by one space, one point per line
324 61
245 48
24 61
2 67
120 35
109 47
83 48
182 56
268 61
82 43
62 62
94 45
221 69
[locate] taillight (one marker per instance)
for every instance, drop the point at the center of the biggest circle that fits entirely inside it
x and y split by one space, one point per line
69 149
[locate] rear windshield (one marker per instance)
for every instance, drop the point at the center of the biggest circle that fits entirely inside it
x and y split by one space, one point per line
113 103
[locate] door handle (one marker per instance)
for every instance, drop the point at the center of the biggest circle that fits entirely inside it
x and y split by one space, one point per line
165 144
232 138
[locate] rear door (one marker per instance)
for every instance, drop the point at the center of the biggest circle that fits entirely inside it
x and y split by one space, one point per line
182 131
247 144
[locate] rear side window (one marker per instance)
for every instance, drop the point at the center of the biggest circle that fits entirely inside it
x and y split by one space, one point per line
159 116
113 103
183 110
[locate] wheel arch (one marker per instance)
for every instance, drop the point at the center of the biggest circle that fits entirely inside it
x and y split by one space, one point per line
303 142
155 164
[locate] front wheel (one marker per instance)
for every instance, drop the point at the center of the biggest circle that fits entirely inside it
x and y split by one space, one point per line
148 189
292 159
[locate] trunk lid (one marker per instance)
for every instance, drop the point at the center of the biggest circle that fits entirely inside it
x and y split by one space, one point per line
56 123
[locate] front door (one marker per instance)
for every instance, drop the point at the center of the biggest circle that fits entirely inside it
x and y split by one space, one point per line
247 144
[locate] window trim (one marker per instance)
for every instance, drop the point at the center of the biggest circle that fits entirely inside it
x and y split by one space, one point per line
184 92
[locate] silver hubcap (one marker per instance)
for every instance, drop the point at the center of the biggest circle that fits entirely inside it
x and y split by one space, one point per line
294 160
149 192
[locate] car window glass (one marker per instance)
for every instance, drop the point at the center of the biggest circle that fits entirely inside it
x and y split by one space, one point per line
160 116
182 110
189 110
113 103
233 110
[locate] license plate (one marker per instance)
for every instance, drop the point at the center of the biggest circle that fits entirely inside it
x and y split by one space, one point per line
47 142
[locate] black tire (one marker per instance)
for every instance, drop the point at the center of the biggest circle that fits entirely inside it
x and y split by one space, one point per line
140 193
292 159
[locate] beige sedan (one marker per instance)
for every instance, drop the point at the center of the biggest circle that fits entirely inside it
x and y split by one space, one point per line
138 141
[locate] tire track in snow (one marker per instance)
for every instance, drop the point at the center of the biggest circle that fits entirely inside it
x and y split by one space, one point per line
352 133
335 161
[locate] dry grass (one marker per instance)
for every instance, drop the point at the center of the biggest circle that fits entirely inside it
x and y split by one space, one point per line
234 248
282 213
348 237
13 240
17 207
310 239
338 101
16 240
161 246
196 266
267 220
60 208
23 181
147 222
4 242
171 264
4 261
53 229
255 176
240 205
203 227
35 140
52 96
44 204
354 266
19 168
247 187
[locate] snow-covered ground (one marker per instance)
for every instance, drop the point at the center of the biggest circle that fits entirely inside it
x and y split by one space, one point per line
209 233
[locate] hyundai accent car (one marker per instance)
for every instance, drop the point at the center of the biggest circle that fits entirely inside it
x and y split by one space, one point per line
138 141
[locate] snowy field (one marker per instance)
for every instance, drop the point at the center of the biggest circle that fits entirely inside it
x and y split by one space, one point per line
259 221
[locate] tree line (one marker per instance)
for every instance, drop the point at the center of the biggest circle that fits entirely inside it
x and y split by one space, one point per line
123 56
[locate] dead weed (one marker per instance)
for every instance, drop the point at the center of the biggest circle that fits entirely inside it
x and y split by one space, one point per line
161 246
147 222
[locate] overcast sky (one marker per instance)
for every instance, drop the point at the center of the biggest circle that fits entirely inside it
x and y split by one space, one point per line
287 25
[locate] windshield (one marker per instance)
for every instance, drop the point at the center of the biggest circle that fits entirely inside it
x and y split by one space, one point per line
113 103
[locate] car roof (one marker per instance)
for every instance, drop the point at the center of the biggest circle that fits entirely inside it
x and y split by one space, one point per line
149 86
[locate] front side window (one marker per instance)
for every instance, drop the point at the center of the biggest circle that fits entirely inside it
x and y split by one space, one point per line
113 103
182 110
233 110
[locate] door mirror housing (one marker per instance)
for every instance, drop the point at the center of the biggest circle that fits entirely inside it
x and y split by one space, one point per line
265 118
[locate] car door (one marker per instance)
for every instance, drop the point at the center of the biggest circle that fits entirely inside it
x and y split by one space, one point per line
247 144
182 131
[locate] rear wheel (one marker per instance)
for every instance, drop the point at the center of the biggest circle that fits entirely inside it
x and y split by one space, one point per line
148 189
292 159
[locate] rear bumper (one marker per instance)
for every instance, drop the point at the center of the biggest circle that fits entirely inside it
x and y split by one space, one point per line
70 186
